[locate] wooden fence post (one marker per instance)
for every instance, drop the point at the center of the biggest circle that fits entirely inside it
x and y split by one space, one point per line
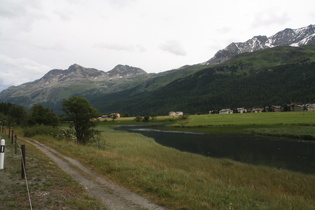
15 144
23 162
12 137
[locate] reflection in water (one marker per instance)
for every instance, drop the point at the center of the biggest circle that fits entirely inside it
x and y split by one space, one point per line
274 152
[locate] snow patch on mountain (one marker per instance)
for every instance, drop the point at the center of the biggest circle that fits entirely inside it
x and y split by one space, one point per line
287 37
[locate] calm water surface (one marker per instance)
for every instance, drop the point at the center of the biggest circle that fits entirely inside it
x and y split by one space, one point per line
258 150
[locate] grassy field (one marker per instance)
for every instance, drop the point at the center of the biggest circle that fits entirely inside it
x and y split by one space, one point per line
264 118
294 125
182 180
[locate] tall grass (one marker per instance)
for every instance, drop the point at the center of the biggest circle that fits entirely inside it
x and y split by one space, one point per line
181 180
41 130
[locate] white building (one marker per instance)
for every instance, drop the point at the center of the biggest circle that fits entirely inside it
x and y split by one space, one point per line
174 114
226 111
241 110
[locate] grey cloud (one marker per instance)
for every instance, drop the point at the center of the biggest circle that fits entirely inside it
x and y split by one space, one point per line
13 8
224 30
63 14
19 70
57 47
119 4
267 18
122 47
2 87
174 47
21 14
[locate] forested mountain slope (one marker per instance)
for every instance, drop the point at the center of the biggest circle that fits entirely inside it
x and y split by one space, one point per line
268 77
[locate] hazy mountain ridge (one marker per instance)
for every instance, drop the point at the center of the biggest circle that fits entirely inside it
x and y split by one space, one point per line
287 37
58 84
79 73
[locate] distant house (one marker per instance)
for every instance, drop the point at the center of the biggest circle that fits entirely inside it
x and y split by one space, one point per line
277 108
295 108
310 107
114 114
257 110
241 110
174 114
226 111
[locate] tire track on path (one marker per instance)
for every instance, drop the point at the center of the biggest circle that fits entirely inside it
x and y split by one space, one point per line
111 195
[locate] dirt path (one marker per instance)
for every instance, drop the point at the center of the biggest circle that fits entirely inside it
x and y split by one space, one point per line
111 195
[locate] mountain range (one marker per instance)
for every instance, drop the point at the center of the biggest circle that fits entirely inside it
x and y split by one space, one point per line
76 80
287 37
229 79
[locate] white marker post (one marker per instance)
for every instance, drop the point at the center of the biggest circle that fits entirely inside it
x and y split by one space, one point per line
2 148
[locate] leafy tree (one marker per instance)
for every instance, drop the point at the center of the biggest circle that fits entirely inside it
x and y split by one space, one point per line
138 119
153 116
126 114
146 119
184 117
80 111
43 116
17 114
114 117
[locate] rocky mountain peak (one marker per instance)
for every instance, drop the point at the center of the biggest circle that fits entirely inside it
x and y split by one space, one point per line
88 72
74 73
287 37
125 71
75 67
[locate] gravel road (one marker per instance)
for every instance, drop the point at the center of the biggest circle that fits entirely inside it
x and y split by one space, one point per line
111 195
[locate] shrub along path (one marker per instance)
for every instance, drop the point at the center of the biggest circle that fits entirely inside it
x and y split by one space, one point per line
111 195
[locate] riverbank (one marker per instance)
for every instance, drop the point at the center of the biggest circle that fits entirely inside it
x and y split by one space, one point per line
293 125
180 180
246 148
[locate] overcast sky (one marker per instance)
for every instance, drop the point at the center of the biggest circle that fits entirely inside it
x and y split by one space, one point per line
155 35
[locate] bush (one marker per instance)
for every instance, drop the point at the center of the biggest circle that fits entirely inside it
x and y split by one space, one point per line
138 119
184 117
69 134
146 119
41 130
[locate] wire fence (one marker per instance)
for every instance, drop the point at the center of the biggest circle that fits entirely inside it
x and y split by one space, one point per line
14 140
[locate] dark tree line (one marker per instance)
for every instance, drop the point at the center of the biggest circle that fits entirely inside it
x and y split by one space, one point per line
78 110
12 114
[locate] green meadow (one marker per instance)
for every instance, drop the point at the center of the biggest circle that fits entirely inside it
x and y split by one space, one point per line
181 180
294 125
264 118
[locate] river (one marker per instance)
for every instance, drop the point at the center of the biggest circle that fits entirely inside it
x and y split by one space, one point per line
258 150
